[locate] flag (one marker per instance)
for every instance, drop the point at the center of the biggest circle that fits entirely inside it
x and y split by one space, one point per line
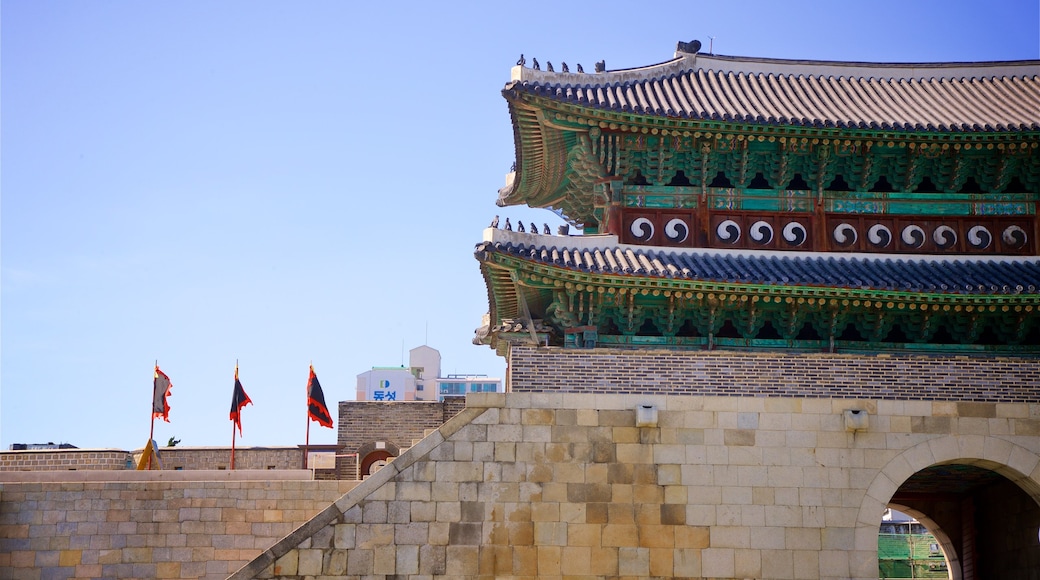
316 408
161 386
239 399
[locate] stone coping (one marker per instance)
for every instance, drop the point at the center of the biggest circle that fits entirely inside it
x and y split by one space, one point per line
129 475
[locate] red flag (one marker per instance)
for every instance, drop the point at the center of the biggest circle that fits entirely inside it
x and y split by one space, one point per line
161 387
239 399
316 408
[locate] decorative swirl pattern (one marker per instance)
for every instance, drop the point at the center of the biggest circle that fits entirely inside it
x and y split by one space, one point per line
794 234
676 231
944 237
1014 237
728 231
913 236
879 236
642 229
761 232
979 237
845 234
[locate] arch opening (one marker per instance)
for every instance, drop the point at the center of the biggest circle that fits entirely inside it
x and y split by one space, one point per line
984 521
374 461
918 548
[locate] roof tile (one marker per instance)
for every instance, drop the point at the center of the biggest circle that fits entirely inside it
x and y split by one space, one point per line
948 276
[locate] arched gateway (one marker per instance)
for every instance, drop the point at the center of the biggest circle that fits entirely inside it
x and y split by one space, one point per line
949 480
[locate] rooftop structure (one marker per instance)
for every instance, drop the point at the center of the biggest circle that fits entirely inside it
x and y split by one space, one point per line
774 204
421 380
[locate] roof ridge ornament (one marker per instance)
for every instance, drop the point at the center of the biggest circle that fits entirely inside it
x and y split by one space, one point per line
692 47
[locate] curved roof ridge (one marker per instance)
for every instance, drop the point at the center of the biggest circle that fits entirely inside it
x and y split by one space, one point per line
685 62
879 70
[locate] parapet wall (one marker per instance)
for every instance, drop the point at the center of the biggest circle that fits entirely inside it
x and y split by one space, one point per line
150 529
64 459
844 376
191 458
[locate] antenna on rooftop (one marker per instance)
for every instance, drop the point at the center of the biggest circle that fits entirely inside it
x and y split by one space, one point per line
711 45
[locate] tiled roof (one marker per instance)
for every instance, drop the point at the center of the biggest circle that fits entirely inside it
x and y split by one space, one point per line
923 97
985 277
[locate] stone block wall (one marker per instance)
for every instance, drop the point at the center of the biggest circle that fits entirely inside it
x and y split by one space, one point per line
847 376
567 485
155 529
63 459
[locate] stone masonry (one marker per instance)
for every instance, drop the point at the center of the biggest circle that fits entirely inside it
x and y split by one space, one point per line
555 485
149 529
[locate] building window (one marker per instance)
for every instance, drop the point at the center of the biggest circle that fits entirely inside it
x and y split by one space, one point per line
453 388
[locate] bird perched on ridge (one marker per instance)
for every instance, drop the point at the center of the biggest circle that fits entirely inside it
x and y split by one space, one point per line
494 222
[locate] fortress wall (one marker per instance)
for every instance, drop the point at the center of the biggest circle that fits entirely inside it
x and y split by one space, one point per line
567 484
149 529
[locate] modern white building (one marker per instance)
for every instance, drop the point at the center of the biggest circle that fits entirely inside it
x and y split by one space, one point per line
421 380
386 384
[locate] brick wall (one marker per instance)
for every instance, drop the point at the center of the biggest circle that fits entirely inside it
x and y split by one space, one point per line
150 529
954 378
193 458
398 423
63 459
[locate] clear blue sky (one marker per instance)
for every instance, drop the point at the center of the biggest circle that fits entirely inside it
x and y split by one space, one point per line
286 182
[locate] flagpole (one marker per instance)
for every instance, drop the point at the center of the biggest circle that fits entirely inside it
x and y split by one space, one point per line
232 422
233 445
307 441
151 431
307 417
